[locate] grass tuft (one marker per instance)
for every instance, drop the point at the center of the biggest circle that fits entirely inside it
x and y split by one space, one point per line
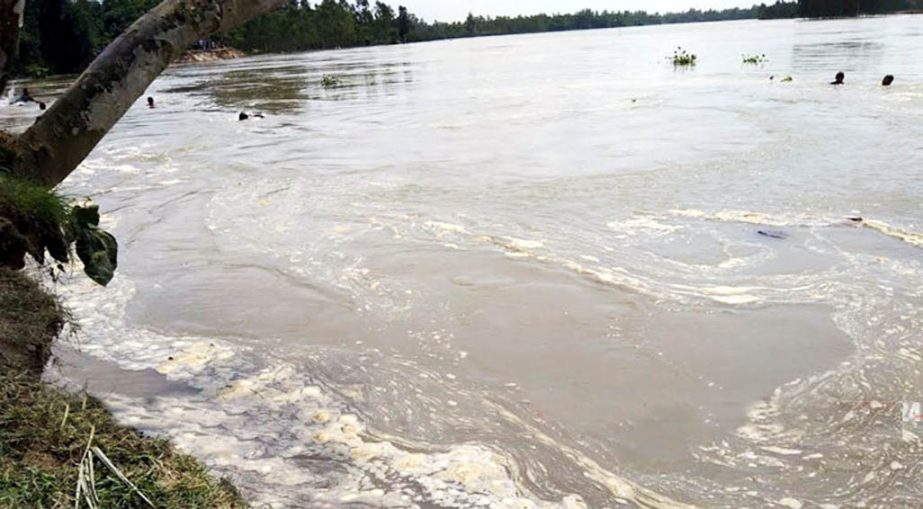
51 439
41 453
24 198
33 219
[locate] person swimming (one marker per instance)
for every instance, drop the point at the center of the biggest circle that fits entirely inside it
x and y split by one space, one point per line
887 81
25 97
150 102
839 79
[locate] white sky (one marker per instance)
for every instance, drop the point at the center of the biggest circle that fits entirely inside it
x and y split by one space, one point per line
454 10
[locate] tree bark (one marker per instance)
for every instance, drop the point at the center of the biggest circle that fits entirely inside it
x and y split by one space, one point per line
61 138
10 22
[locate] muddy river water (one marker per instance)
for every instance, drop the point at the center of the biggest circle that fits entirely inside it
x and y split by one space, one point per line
537 271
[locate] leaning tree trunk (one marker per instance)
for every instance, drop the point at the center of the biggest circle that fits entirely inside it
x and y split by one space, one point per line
10 21
62 137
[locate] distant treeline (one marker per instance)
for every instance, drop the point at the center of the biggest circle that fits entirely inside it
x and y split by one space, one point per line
63 36
846 8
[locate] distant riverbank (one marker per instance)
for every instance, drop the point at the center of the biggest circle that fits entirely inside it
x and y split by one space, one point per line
210 55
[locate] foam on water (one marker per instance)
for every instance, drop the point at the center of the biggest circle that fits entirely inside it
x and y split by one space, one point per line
471 475
266 426
291 439
908 236
779 428
574 242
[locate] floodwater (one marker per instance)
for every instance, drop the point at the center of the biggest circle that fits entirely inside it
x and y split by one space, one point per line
527 272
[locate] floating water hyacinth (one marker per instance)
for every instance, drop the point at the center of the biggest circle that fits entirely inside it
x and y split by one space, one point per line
682 58
755 59
330 81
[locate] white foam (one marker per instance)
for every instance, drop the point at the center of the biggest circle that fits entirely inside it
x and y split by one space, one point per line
257 424
442 227
643 223
908 236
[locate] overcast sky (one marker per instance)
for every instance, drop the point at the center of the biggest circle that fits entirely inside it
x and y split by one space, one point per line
453 10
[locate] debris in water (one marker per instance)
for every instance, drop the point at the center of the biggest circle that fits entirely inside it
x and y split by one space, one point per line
773 234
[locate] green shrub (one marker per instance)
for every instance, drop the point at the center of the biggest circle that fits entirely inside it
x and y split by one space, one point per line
37 71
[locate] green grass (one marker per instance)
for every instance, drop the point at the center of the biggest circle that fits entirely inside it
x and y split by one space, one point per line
33 220
682 58
27 199
44 433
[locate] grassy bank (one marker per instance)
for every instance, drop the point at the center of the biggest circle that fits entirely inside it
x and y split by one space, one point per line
45 432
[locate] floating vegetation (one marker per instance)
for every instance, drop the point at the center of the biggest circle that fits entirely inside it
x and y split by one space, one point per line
787 79
682 58
330 81
755 59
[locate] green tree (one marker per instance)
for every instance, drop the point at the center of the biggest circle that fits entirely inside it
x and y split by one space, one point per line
384 24
365 20
403 23
64 35
336 24
471 25
778 10
844 8
60 35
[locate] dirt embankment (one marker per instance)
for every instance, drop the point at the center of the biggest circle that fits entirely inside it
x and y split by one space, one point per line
30 320
211 55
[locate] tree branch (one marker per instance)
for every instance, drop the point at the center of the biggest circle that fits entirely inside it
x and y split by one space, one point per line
70 129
